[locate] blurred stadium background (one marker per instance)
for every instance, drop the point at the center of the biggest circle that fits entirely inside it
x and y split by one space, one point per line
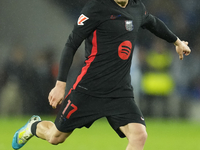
32 36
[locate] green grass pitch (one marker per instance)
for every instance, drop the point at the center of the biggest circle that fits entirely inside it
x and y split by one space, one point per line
162 135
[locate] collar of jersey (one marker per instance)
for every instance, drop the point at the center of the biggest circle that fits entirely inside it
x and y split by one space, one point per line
116 5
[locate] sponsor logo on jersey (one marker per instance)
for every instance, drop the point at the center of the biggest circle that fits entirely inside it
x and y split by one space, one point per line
124 50
82 19
129 25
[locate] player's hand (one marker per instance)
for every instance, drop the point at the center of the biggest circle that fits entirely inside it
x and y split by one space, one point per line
182 48
56 96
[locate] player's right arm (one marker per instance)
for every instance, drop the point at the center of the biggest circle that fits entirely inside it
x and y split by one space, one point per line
86 24
56 95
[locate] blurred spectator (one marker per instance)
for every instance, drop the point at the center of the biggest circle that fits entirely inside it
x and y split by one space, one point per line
157 82
24 86
14 81
193 87
45 71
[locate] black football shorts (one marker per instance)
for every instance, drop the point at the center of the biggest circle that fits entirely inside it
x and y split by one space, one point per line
81 110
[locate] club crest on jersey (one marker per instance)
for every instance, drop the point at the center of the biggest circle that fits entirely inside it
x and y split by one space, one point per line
129 25
82 19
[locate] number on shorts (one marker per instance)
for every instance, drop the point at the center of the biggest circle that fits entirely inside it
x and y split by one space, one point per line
71 111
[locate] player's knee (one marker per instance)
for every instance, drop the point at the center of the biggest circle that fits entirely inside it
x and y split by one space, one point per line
56 141
143 137
139 138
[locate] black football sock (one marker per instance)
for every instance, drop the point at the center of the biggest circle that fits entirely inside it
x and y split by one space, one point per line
33 128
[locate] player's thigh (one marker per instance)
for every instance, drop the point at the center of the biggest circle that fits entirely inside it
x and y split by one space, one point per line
124 112
78 110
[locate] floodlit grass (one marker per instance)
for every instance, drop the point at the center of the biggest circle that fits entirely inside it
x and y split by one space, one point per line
162 135
172 135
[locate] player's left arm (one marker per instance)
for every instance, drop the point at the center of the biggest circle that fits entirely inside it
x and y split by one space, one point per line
159 28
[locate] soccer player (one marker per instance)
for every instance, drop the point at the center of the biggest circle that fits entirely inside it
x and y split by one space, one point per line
103 88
